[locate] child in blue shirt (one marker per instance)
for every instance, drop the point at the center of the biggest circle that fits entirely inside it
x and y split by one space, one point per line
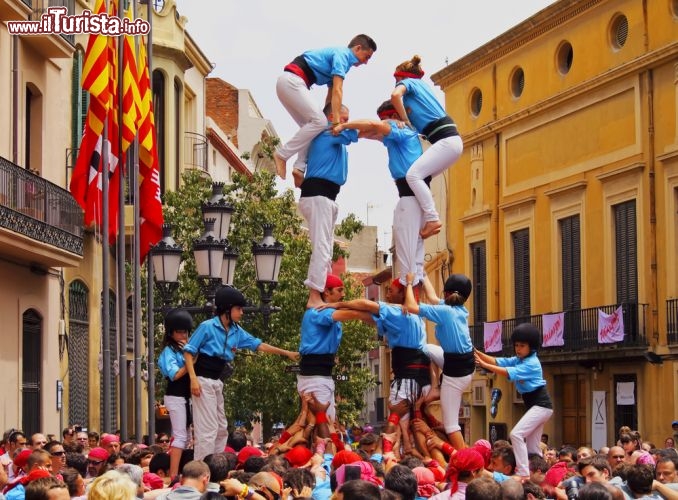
524 370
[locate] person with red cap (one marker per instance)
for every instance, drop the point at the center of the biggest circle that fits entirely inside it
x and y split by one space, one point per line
464 466
404 148
411 366
110 443
96 462
321 334
414 100
452 332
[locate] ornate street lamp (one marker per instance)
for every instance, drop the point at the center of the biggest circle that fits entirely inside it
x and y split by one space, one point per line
208 252
166 255
267 258
228 265
218 208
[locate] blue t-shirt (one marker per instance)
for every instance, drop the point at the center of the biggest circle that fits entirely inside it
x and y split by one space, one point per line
329 62
423 107
525 373
401 330
327 156
320 334
451 326
170 362
403 149
210 338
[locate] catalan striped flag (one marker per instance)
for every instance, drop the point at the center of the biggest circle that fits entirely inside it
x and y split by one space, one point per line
131 100
150 203
96 68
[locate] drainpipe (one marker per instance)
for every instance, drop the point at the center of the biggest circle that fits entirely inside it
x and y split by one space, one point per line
15 100
654 302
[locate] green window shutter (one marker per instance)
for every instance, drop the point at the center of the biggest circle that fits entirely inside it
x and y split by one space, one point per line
479 262
521 272
626 252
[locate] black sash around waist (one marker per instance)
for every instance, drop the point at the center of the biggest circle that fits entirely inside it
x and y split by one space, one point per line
404 188
316 364
210 366
301 63
459 365
180 387
538 397
315 186
440 129
409 363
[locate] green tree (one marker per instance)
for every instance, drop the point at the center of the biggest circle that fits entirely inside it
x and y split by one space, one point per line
260 385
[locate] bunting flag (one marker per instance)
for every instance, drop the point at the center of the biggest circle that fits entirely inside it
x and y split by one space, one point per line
553 329
150 203
492 336
610 326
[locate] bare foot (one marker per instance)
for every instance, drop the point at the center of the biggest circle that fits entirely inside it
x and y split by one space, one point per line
280 166
298 177
430 228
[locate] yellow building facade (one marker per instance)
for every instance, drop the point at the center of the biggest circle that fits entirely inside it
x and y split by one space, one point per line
566 200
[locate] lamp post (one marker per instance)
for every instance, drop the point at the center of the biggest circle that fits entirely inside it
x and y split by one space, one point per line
215 263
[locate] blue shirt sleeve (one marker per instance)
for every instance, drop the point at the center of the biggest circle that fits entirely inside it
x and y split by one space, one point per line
170 362
197 339
248 341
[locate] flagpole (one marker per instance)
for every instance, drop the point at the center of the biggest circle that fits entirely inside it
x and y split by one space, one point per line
149 267
120 253
106 293
137 270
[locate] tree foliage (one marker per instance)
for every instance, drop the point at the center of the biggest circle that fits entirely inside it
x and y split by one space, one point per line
260 385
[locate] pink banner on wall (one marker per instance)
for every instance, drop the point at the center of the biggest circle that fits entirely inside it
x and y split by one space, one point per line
492 336
610 326
553 329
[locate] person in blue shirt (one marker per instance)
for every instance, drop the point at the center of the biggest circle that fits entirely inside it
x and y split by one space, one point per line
211 347
524 370
417 105
411 366
326 173
404 148
321 334
452 332
178 324
326 67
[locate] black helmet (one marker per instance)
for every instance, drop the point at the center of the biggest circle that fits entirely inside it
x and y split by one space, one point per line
458 283
227 297
178 319
528 333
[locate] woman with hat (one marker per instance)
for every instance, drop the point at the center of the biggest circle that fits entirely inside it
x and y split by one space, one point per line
171 363
451 320
211 347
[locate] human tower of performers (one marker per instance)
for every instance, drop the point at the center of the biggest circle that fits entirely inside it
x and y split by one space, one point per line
421 452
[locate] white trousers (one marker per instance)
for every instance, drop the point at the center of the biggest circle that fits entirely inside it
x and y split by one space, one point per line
299 103
209 421
408 220
323 389
435 160
176 406
321 215
526 436
435 354
451 391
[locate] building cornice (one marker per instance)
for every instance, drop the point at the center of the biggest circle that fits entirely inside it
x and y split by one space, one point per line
227 152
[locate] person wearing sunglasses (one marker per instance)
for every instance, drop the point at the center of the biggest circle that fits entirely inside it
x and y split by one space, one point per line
97 462
164 441
58 455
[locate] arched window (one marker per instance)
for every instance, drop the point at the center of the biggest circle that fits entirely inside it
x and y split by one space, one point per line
78 353
31 372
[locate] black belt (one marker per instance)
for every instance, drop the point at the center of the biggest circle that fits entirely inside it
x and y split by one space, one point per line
440 129
315 186
404 188
301 63
458 365
316 364
538 397
180 387
210 367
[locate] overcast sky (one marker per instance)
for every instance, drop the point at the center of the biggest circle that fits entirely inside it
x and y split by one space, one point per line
250 41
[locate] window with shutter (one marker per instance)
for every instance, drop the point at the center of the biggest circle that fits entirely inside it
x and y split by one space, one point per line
626 252
79 101
31 371
521 272
571 262
479 270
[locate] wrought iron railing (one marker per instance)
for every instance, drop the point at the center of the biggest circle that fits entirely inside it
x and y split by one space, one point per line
25 196
672 321
581 329
195 150
40 7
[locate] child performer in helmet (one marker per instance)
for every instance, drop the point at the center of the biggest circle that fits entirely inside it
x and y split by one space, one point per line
524 370
178 324
451 319
211 347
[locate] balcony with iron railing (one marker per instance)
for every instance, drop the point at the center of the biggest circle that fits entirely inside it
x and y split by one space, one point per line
195 151
51 45
580 334
672 321
46 218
